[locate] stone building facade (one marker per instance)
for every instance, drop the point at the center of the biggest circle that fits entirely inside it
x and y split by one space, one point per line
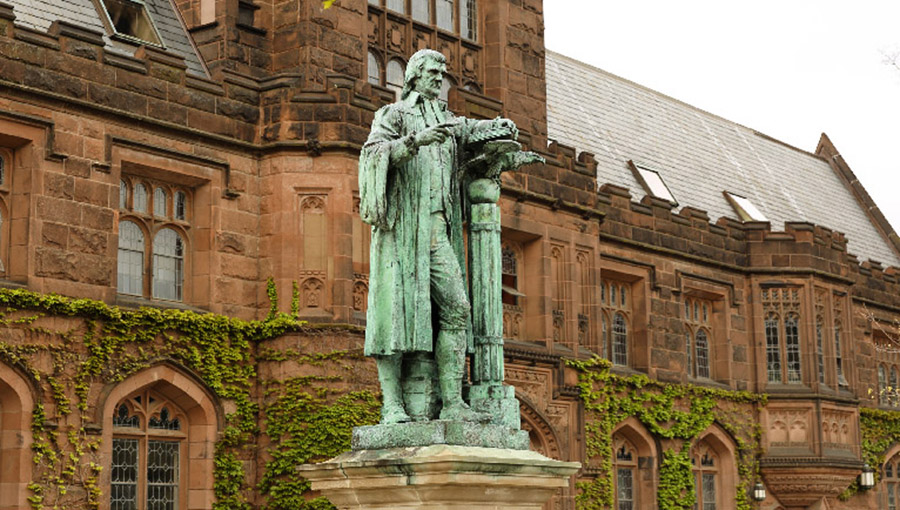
198 158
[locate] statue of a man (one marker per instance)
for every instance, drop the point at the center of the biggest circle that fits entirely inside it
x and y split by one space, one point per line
411 193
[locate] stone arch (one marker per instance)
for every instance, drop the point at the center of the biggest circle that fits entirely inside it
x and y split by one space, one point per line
204 418
646 447
17 398
638 435
544 439
724 446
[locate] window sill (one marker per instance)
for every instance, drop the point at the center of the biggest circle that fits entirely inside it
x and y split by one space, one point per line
707 383
9 284
135 302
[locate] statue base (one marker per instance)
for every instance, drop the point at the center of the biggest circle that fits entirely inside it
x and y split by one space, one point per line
439 477
425 433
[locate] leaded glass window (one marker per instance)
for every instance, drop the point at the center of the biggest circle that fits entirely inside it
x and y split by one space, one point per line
708 491
160 262
148 441
123 195
421 11
773 350
624 467
468 19
164 421
820 352
689 352
620 340
625 488
162 474
444 14
124 474
706 476
394 76
139 203
838 357
130 259
374 70
168 265
702 346
616 310
792 347
397 6
160 203
604 326
782 331
180 205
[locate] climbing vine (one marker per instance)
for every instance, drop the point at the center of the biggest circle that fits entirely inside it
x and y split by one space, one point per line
309 419
879 431
67 343
675 412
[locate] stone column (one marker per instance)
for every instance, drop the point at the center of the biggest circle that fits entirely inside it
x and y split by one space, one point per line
488 393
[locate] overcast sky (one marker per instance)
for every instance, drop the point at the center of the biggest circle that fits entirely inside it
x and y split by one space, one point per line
791 69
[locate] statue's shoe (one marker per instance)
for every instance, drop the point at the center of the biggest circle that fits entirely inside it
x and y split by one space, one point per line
394 414
462 412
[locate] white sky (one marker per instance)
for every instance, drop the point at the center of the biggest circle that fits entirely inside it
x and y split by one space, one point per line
791 69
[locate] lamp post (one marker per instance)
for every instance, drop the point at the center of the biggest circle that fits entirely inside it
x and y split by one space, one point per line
867 477
759 492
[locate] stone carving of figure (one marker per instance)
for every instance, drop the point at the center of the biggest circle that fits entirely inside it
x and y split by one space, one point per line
411 193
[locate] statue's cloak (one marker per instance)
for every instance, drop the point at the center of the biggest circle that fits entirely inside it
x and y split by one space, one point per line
394 187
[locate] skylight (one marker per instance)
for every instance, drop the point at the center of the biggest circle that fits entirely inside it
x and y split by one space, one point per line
744 208
129 18
652 182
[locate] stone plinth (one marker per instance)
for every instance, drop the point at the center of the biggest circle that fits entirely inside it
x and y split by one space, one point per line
458 433
439 477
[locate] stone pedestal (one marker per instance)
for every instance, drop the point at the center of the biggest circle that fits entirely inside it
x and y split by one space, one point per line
439 477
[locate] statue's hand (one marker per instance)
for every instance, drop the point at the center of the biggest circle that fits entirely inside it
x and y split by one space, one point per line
434 134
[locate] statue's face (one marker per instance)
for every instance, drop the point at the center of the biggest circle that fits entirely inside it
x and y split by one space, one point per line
429 83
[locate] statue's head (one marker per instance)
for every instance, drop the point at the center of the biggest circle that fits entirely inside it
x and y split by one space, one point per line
425 73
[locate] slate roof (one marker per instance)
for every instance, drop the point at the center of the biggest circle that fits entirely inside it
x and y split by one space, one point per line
40 14
699 155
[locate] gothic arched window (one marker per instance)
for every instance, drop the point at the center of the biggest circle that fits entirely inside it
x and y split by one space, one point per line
149 439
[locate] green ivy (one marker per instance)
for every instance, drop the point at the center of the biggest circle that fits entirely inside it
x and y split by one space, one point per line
109 345
879 430
309 419
670 412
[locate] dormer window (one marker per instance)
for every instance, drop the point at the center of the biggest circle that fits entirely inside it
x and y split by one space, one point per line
130 20
744 208
652 182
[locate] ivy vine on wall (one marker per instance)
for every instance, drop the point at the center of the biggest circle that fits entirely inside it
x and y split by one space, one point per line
95 344
880 430
674 412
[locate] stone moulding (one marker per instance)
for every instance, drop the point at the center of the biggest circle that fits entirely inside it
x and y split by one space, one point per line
440 477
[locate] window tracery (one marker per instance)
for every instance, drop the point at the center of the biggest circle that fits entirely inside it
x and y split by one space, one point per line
160 262
149 434
782 334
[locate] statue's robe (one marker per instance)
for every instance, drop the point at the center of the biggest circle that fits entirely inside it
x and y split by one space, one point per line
394 187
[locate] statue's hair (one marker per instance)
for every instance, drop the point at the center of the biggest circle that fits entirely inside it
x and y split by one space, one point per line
416 66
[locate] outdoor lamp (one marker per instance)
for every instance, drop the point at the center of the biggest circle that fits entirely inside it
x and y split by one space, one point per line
759 492
867 477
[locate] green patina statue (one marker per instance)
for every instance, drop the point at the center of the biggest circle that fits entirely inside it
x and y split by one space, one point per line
422 173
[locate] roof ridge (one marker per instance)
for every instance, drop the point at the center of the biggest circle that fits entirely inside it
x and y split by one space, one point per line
679 101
